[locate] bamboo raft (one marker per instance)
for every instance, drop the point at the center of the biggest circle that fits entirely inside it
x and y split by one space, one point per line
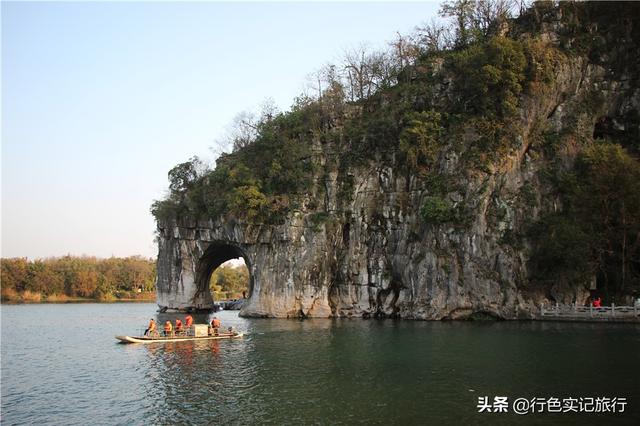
195 332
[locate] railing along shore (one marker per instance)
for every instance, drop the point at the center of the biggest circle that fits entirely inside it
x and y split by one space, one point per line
588 313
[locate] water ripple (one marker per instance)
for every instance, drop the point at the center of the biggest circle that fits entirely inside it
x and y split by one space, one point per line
292 372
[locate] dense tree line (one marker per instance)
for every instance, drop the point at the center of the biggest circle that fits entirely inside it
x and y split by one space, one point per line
76 277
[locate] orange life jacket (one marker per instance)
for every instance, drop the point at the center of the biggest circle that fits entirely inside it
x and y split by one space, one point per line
152 325
188 320
168 326
178 324
215 323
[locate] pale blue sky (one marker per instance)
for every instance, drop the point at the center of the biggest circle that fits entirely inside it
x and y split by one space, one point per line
100 100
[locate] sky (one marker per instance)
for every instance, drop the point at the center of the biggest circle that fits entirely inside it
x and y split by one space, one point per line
101 100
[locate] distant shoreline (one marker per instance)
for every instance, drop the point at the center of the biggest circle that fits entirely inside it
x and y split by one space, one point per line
77 301
29 298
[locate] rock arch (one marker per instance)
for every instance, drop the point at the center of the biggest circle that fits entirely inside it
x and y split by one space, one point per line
215 255
287 277
188 254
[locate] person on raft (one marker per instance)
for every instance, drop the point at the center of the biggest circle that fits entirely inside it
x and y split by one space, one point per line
168 329
151 329
179 328
188 320
215 325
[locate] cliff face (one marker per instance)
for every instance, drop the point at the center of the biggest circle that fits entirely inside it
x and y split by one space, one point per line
358 245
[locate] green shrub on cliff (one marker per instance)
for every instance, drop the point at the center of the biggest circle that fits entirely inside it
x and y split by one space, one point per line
489 77
564 249
317 219
437 210
419 140
248 200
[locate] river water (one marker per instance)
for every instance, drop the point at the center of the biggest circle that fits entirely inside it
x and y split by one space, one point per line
62 365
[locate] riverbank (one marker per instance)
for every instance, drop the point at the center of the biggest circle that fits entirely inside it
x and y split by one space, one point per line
80 301
28 297
73 279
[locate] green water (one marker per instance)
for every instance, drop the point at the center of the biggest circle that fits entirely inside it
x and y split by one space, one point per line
62 365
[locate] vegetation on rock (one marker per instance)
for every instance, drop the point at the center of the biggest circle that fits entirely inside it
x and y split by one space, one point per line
597 234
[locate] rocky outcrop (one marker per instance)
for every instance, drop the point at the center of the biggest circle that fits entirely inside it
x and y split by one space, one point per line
363 249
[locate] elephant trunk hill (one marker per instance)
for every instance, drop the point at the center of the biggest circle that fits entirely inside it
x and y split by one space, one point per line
480 179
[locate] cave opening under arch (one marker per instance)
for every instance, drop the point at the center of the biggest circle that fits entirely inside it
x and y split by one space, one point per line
216 254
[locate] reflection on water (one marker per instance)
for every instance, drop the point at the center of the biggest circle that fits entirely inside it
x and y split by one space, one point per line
71 370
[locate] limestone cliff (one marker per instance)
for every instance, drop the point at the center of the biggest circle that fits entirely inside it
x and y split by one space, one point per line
357 244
